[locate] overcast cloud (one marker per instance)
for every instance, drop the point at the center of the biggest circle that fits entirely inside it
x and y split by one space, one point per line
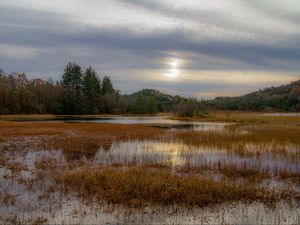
218 47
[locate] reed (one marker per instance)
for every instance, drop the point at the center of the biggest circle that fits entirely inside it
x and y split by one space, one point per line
247 140
139 188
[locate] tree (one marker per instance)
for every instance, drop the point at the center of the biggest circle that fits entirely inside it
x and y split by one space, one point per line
92 89
72 98
107 87
152 105
187 107
72 78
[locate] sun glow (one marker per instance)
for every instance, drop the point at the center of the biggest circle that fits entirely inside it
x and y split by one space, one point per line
173 72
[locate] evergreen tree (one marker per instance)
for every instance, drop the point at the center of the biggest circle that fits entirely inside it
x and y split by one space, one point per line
107 87
72 78
92 89
72 81
152 105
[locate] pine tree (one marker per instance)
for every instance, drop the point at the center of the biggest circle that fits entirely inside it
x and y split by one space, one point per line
72 81
107 87
92 89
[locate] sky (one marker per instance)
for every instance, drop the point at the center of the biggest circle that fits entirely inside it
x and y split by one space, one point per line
194 48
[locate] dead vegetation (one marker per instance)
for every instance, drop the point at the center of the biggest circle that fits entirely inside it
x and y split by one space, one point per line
86 159
247 140
241 117
7 198
139 187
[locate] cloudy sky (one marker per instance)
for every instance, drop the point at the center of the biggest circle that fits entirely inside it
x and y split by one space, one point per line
201 48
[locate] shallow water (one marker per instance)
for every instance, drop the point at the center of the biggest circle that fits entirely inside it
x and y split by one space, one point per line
176 154
155 121
34 198
36 201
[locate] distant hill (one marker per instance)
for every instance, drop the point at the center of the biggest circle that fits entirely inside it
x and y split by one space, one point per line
153 93
285 98
164 101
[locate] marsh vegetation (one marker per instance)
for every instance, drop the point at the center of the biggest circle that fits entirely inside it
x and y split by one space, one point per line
85 172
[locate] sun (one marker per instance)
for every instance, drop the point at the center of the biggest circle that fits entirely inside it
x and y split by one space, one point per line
174 64
173 72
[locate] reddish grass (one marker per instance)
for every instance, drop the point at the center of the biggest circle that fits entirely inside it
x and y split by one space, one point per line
262 138
139 187
77 140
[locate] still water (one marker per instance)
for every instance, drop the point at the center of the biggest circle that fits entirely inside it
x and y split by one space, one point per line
156 121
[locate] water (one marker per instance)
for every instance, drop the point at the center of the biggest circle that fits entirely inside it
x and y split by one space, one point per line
34 198
155 121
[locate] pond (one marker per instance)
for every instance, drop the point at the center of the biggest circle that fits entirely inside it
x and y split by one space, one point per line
155 121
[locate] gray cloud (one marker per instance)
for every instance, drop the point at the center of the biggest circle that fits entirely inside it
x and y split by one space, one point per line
42 42
276 11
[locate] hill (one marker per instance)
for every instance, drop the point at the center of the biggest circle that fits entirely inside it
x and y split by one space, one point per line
164 101
285 98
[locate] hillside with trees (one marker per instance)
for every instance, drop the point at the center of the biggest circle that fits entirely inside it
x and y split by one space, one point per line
285 98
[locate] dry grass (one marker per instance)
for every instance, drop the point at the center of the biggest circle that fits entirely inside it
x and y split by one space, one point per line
288 175
15 167
241 117
139 187
75 139
46 163
247 140
108 131
230 171
7 198
105 131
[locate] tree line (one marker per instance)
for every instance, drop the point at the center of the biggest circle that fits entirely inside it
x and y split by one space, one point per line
79 92
82 92
285 98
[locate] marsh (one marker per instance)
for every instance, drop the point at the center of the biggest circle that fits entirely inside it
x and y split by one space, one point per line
149 170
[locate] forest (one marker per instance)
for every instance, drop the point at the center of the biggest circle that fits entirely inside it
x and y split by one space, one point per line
83 92
285 98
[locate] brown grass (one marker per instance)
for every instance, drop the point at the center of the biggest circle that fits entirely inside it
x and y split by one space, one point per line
230 171
236 138
139 187
241 117
75 139
15 167
7 198
105 131
46 163
288 175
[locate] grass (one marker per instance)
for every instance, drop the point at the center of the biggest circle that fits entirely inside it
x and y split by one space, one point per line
247 140
209 116
230 171
73 138
139 188
240 117
288 175
7 198
14 167
148 176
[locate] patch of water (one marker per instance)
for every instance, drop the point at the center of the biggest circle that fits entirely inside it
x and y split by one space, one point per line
178 154
155 121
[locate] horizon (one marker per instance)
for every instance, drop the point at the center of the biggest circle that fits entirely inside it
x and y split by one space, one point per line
193 49
168 93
